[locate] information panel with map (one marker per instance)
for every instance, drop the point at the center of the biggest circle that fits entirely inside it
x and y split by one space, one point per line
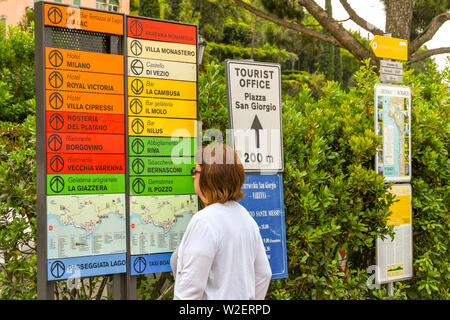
393 125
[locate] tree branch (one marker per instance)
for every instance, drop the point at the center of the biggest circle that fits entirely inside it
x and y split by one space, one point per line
344 37
360 21
429 32
425 54
294 26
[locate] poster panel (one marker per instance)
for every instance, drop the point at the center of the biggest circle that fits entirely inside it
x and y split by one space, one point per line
394 256
393 124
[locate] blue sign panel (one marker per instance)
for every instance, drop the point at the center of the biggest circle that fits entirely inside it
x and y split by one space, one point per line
264 200
150 263
80 267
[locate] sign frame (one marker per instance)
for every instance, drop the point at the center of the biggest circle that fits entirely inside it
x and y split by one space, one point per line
379 127
44 42
382 246
158 259
231 118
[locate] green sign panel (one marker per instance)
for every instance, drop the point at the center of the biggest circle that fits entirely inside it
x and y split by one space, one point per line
164 166
85 183
160 185
162 146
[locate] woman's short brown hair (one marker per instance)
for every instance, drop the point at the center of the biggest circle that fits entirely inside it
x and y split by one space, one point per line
222 174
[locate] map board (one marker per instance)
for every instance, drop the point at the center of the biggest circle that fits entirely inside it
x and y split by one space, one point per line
395 256
116 137
393 124
254 111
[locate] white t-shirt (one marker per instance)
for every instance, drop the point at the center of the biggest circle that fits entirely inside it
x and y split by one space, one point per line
222 256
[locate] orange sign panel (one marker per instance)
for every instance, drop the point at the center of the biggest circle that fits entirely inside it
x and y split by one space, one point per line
83 19
66 163
85 122
83 102
85 143
84 81
83 61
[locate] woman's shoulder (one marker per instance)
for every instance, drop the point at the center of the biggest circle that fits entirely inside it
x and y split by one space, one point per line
220 207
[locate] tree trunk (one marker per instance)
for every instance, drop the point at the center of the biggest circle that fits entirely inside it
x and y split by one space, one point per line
398 18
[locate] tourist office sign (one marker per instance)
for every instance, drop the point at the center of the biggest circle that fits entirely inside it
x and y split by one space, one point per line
116 136
254 111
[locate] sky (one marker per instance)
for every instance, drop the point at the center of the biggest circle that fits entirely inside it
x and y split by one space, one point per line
373 12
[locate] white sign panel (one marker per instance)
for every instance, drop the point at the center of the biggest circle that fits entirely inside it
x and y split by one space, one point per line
391 64
254 109
395 256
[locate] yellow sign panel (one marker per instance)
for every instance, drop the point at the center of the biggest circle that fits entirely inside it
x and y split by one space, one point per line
390 48
159 50
401 208
167 108
158 88
161 127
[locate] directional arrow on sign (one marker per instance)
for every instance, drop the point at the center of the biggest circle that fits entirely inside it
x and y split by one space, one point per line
55 58
57 184
54 15
56 101
137 146
137 66
256 125
56 121
57 163
136 47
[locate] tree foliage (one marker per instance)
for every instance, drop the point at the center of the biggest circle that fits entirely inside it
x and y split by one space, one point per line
399 22
16 73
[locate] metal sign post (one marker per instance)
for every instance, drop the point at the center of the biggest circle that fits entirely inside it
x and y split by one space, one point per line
392 121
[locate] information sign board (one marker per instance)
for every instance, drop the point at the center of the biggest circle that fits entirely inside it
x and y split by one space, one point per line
116 137
162 129
264 200
254 110
80 143
393 124
394 256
